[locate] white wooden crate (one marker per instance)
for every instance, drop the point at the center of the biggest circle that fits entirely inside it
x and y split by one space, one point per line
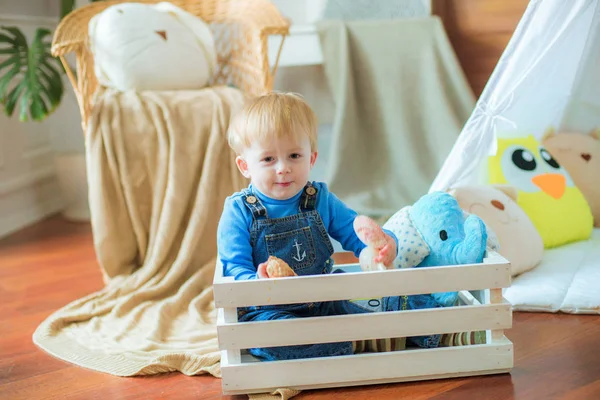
242 374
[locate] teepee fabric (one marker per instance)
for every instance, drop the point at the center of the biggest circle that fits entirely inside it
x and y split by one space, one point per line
548 76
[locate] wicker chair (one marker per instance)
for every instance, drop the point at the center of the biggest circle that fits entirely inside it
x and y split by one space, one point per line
240 27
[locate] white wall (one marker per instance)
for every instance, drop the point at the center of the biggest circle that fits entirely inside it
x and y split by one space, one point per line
40 8
301 12
300 66
29 189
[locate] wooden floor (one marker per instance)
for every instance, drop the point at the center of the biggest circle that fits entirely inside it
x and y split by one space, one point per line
44 267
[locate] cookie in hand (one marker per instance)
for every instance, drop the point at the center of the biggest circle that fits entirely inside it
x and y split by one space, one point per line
277 268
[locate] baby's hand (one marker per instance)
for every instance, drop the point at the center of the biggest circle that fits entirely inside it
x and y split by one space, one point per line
261 271
274 268
387 253
382 246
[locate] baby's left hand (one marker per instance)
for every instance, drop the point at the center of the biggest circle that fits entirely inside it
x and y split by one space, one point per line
382 246
387 253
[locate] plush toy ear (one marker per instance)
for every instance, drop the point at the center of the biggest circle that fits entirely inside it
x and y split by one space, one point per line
548 133
412 248
595 133
492 242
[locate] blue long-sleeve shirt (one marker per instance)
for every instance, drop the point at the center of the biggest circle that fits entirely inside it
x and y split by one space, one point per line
233 234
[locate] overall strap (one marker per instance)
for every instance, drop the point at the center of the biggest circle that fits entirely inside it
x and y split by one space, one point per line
308 199
254 205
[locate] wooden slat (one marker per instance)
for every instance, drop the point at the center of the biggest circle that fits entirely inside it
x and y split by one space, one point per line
364 326
375 389
496 298
361 285
363 368
228 316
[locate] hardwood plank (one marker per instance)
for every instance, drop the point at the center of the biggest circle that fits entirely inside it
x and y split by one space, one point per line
78 383
555 354
589 391
18 367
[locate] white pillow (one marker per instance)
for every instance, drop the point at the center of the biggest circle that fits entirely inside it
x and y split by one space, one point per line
151 47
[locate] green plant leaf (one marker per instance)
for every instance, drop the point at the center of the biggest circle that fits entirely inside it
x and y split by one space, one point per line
18 37
13 97
33 72
9 61
6 79
54 90
7 39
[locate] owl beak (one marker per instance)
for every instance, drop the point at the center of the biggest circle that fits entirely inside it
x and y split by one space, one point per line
552 184
162 34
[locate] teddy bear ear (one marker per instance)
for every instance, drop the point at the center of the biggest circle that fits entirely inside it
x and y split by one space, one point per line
548 133
412 248
595 133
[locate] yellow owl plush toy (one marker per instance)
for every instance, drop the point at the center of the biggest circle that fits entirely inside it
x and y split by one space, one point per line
546 192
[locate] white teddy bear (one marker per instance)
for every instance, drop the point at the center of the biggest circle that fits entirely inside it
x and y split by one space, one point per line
151 47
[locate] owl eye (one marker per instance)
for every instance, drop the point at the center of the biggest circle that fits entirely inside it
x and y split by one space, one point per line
519 165
524 159
546 156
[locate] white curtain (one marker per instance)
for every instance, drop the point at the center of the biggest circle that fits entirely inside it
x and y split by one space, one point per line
548 76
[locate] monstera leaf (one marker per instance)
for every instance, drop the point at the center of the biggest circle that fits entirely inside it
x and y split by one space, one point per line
29 75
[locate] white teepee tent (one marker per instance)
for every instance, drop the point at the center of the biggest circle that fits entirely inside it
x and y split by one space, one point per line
548 76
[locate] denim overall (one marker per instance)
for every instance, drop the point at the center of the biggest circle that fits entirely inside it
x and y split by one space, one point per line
302 241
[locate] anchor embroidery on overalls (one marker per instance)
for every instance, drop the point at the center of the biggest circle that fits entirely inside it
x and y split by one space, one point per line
298 257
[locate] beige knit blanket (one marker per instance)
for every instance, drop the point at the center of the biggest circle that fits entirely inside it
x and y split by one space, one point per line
159 169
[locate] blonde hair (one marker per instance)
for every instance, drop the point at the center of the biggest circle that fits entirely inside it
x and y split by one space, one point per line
270 116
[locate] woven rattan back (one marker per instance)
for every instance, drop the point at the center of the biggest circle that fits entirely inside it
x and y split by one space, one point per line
240 28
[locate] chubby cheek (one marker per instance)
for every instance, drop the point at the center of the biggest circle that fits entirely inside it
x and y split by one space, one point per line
268 176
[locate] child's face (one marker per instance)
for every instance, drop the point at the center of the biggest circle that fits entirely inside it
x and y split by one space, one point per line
280 168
